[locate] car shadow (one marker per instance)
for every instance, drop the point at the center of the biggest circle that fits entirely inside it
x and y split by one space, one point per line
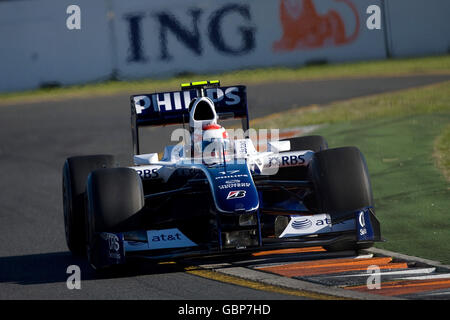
52 267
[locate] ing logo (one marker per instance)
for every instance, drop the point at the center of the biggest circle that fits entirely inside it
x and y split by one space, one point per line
304 28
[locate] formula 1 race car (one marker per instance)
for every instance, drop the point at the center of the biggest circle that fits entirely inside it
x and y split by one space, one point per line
211 194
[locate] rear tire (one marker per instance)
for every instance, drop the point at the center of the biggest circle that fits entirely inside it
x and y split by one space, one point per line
75 173
342 185
114 198
314 143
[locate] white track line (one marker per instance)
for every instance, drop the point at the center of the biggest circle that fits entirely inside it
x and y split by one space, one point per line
364 256
430 277
273 264
409 271
439 293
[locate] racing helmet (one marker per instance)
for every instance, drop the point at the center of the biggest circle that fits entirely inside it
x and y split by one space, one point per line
214 141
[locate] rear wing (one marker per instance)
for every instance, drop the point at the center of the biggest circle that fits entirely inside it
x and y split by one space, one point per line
168 108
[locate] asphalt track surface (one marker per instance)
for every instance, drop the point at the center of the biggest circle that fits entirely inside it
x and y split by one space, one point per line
36 138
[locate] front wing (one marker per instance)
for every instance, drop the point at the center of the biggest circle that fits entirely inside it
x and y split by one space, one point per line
121 247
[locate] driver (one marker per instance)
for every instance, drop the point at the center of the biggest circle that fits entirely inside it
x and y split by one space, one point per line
215 141
209 139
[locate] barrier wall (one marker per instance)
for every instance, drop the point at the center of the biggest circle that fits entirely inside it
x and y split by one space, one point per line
418 27
36 48
137 38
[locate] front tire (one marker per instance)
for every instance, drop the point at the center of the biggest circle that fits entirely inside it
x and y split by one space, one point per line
114 199
75 173
342 185
341 180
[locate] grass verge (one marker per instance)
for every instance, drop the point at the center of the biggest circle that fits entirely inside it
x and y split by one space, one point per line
401 135
442 152
391 67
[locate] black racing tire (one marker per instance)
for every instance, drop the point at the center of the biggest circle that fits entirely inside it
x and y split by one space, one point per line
314 143
341 180
75 173
342 184
114 199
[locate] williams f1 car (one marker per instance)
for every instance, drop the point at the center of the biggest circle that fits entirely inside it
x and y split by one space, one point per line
212 194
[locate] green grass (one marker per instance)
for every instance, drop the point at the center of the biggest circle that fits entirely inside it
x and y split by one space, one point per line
412 198
393 67
429 99
442 151
402 136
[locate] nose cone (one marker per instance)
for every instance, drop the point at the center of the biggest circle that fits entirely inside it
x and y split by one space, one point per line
233 188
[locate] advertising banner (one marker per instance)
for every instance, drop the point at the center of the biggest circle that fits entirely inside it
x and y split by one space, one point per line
163 38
